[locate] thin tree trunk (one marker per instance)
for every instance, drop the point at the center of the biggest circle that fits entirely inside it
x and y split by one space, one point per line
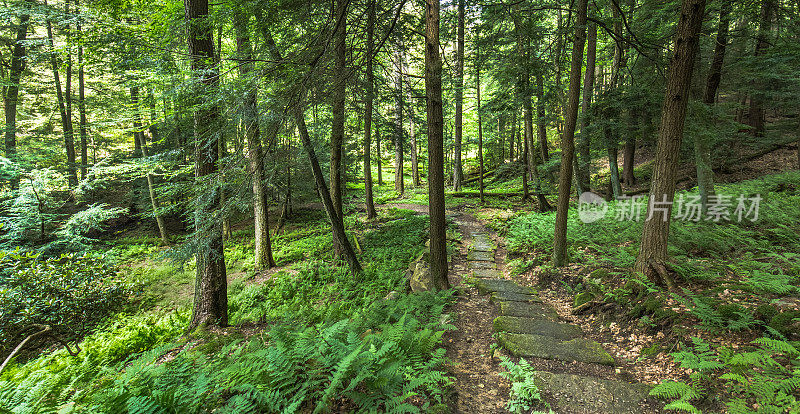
138 135
705 174
66 121
458 171
526 151
584 158
610 133
501 139
11 92
480 123
211 288
567 142
414 160
399 132
339 82
370 75
433 89
82 98
512 142
297 112
263 244
541 127
379 159
756 113
652 258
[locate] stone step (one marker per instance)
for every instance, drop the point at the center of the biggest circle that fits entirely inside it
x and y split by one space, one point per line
498 297
481 265
556 330
538 346
528 310
479 256
569 393
481 245
486 286
487 273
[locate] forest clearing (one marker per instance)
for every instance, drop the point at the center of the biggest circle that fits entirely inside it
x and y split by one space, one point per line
366 206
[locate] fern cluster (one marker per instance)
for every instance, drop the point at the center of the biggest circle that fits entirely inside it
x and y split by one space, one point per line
524 394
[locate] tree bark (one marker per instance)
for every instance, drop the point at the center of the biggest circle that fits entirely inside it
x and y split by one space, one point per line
370 86
211 288
338 82
139 135
512 141
413 138
610 133
433 92
11 92
263 244
399 132
480 122
584 159
756 113
652 258
705 174
378 158
66 119
567 142
458 171
541 126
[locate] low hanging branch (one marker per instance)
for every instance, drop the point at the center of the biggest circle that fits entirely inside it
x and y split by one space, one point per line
42 330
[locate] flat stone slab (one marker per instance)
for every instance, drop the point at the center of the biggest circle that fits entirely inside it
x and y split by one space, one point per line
556 330
486 286
487 273
482 245
498 297
538 346
481 265
578 394
527 310
475 255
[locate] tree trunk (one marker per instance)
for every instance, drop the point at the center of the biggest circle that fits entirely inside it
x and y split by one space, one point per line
82 100
414 160
458 171
705 175
338 82
513 138
370 75
629 152
501 138
652 257
379 159
756 113
211 288
526 150
567 142
480 123
297 111
584 158
66 121
433 92
11 92
541 127
263 244
610 133
399 132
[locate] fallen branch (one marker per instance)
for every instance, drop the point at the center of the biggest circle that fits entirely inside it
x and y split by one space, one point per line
43 329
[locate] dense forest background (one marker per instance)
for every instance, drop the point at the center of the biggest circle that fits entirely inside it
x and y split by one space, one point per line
213 207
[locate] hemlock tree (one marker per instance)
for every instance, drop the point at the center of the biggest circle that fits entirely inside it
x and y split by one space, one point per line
211 287
433 94
338 84
568 138
652 258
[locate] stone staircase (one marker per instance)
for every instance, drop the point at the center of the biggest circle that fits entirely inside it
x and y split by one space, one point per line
531 329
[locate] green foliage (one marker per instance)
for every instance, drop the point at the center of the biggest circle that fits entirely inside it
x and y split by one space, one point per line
70 293
524 394
716 317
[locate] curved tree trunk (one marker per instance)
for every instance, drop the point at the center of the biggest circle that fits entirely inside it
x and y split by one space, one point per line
652 258
567 141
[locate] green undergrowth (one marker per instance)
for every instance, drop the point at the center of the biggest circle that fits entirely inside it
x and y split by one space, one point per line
309 338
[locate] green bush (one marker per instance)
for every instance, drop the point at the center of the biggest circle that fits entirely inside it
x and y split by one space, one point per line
71 293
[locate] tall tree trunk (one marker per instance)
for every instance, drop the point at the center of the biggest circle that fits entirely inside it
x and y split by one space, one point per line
652 257
526 150
501 138
211 287
756 113
11 92
705 175
512 142
433 92
378 158
399 130
458 171
584 158
414 158
541 126
338 83
567 141
72 169
611 136
370 75
298 111
66 120
629 150
480 122
82 98
138 135
263 244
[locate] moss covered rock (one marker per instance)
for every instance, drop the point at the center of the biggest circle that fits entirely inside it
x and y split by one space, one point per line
543 327
538 346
